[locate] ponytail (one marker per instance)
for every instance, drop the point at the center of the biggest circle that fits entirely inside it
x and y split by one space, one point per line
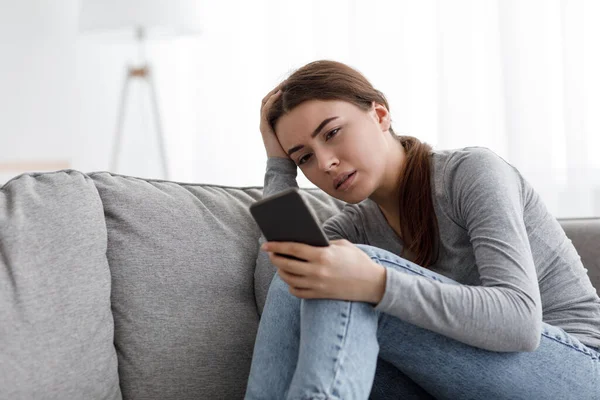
418 222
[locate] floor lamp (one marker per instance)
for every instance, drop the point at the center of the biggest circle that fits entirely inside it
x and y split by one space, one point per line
157 18
143 73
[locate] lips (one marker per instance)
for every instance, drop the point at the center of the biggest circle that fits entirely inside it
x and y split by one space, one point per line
341 179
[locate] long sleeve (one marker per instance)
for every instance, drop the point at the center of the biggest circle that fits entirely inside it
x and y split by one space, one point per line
280 175
505 312
344 225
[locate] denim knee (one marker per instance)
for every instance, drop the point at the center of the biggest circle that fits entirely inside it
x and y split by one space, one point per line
279 287
370 250
390 260
382 256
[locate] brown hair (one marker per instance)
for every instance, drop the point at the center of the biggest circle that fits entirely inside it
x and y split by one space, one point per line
331 80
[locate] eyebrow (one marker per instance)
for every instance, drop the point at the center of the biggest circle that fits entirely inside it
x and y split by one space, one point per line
315 133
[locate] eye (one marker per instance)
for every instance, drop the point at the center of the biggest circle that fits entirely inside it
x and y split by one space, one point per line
332 133
328 136
304 158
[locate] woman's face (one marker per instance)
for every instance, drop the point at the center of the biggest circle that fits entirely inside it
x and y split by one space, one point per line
329 140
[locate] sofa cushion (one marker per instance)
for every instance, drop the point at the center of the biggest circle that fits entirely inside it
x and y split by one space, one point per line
182 263
182 258
56 329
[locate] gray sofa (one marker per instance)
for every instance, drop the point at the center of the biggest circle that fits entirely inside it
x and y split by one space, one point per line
119 287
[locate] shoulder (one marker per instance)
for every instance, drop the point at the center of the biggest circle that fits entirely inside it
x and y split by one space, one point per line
472 176
468 165
467 158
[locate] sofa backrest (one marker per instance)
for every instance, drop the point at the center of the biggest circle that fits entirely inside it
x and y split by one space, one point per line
184 286
585 235
183 289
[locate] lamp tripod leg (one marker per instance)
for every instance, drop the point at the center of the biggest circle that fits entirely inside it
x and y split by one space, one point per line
159 131
114 159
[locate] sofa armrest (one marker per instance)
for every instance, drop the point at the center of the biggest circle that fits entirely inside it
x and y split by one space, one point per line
585 235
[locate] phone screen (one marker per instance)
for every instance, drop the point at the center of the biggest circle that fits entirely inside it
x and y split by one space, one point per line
285 217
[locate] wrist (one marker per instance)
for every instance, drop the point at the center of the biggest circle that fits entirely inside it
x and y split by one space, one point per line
276 152
378 286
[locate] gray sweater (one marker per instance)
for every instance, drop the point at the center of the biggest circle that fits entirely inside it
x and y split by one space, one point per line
516 265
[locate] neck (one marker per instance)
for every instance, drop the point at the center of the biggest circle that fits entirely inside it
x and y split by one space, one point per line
386 195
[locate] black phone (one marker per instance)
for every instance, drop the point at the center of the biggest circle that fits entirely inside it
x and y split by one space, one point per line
285 217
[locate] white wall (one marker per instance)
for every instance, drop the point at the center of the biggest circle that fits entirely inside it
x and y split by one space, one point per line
209 88
519 77
37 90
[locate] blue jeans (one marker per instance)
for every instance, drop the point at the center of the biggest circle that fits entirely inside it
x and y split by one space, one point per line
335 349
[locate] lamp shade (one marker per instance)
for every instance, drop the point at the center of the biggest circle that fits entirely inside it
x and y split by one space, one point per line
156 17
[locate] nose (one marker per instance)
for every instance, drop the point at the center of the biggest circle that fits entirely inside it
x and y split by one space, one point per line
327 160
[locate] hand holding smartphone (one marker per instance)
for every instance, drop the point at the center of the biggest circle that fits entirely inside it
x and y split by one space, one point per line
285 217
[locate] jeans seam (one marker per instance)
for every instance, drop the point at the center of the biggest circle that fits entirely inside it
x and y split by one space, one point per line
377 259
338 364
587 353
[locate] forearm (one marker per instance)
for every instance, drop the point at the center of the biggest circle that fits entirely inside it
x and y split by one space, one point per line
280 175
495 319
375 289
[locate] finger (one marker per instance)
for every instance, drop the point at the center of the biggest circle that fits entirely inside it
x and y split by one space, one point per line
292 280
303 293
294 267
272 92
299 250
267 105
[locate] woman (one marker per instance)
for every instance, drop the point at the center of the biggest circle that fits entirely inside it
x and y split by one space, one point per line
446 276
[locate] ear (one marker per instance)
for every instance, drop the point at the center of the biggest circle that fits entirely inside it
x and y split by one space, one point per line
382 116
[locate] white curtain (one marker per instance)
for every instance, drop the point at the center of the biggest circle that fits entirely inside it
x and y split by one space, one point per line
521 77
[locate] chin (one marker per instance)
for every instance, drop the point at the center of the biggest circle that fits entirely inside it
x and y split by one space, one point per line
354 196
352 201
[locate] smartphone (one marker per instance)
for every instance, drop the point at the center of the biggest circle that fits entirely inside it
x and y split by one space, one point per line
285 217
